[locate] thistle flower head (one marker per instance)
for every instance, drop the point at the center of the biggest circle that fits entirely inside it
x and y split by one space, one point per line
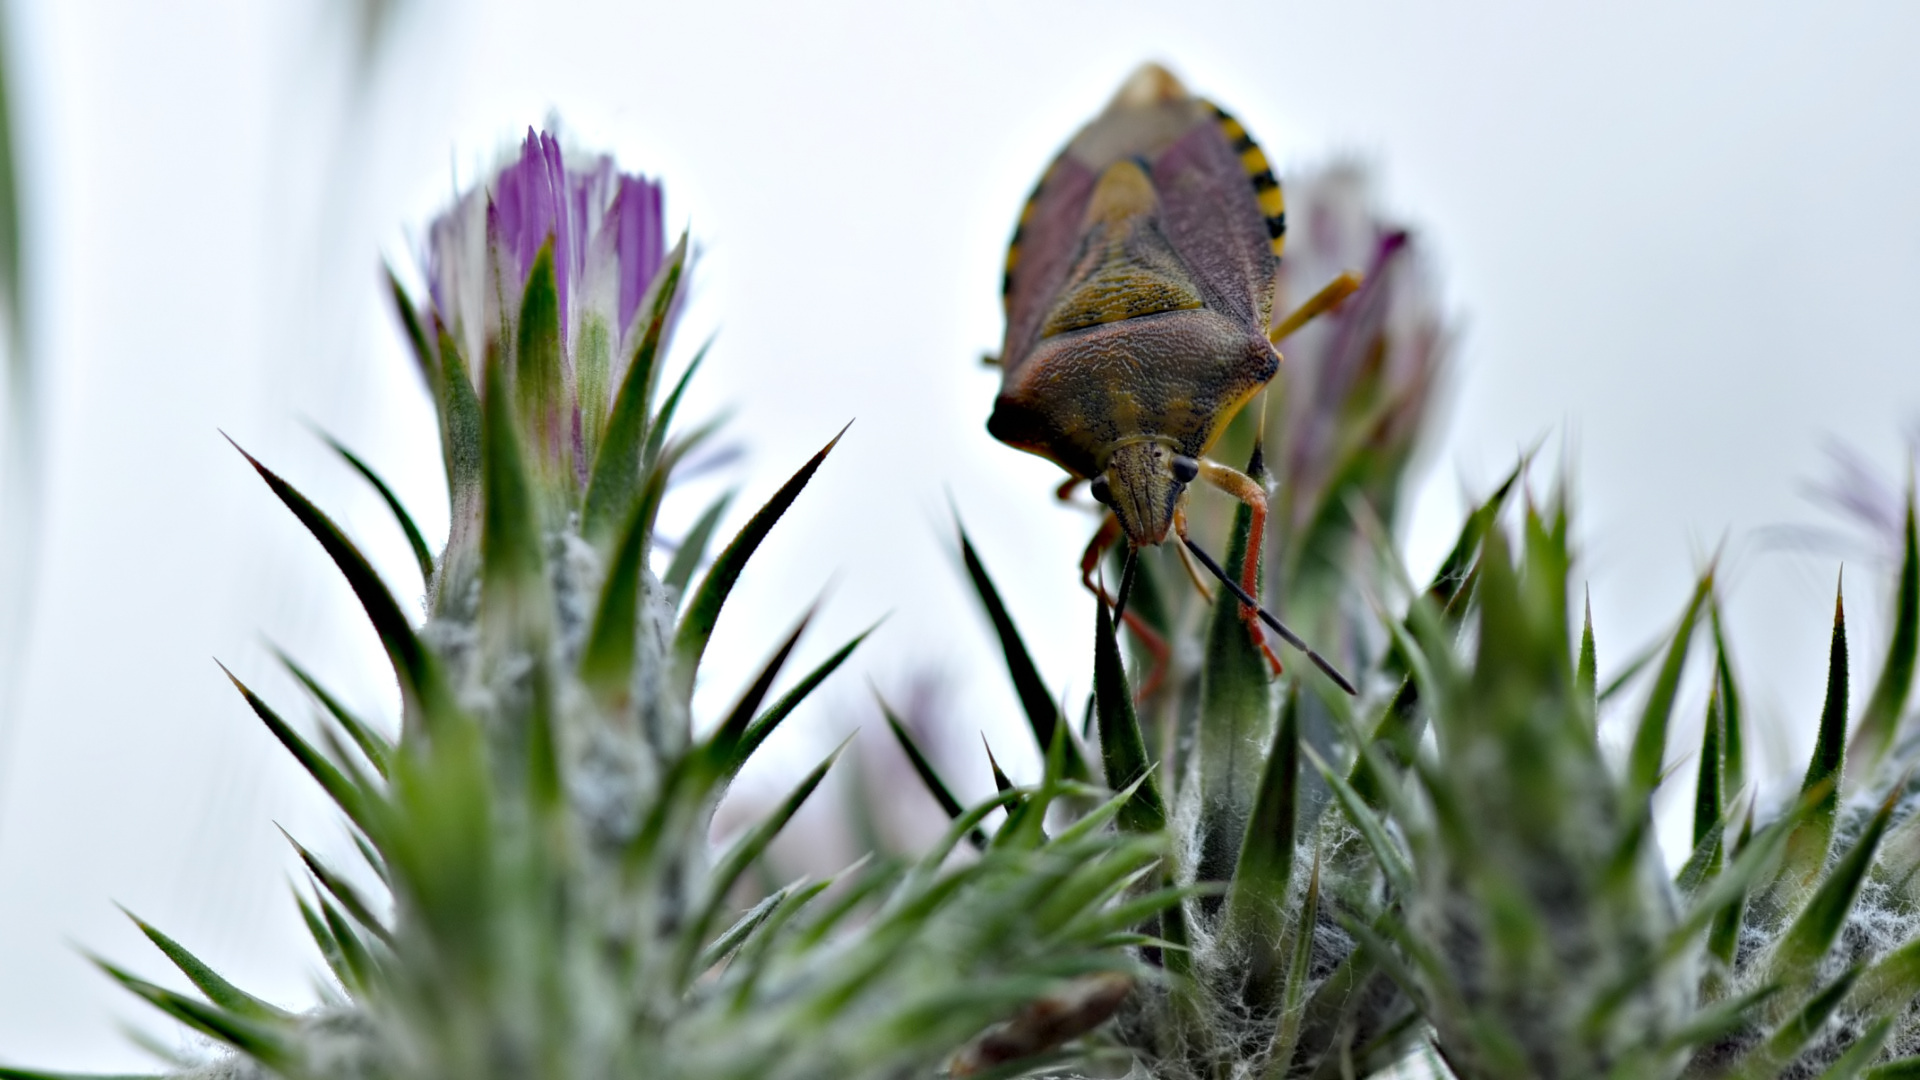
547 265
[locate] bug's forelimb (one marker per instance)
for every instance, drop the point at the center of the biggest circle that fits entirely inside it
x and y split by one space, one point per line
1186 558
1318 304
1250 491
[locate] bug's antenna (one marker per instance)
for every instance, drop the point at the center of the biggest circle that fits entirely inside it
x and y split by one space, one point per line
1267 617
1126 584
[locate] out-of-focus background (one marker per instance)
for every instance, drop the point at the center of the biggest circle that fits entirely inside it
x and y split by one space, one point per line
1680 244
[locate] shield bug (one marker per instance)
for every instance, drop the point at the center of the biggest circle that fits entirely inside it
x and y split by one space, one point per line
1139 295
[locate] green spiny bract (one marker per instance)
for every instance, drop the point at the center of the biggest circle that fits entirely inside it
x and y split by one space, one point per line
1535 930
1822 933
545 901
1532 914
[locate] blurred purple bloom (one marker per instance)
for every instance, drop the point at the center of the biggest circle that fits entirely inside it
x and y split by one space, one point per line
1359 386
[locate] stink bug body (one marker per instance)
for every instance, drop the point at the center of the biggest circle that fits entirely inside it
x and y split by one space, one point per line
1139 297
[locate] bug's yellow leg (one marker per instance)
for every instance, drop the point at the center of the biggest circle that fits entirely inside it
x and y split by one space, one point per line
1247 490
1186 557
1156 646
1317 305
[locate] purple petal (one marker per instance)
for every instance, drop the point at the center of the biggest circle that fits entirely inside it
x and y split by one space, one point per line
559 223
641 241
531 208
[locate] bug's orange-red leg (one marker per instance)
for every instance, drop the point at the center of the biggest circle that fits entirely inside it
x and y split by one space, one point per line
1156 646
1247 490
1065 491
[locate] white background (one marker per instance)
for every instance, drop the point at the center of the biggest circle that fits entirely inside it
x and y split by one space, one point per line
1685 244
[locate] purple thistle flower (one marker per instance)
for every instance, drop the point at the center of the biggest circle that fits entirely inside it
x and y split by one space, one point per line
608 246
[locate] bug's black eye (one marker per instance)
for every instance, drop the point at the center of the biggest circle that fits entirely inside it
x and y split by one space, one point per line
1185 468
1098 489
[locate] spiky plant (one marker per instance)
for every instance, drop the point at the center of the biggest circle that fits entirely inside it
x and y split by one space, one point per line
538 897
1528 914
1822 936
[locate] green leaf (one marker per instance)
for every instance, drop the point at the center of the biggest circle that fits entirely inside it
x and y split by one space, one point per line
1650 739
703 611
1293 1006
1723 934
1807 849
1721 1018
693 548
1733 765
749 956
1454 574
1703 863
730 939
936 787
1393 862
1793 1035
1862 1052
764 724
415 541
607 658
1813 931
421 686
1893 980
1258 896
372 744
723 746
1123 751
460 438
539 385
1236 706
1630 672
738 858
1586 674
351 800
594 340
1882 718
650 455
513 565
1396 737
253 1036
1042 713
416 336
323 940
349 897
1904 1069
218 990
360 964
1000 781
615 480
1707 800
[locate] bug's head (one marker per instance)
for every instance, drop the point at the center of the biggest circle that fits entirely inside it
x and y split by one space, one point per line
1142 484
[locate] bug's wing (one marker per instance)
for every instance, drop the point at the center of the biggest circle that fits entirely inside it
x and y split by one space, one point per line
1042 253
1220 207
1151 112
1215 193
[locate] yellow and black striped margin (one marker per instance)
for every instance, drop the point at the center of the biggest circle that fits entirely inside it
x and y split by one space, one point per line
1266 190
